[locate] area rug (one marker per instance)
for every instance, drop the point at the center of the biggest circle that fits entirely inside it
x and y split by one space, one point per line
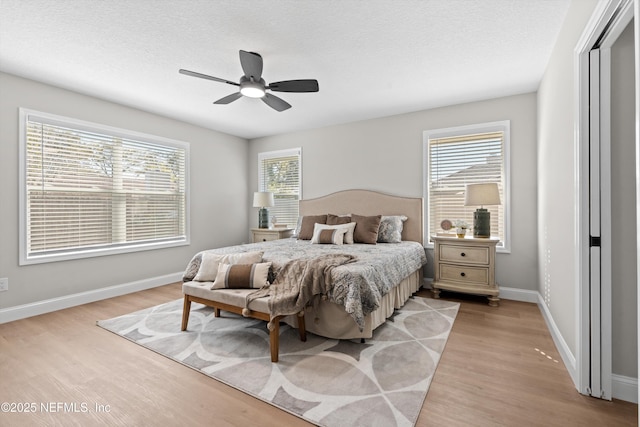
383 381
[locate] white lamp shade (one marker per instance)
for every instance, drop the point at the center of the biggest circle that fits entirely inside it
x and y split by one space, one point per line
482 194
263 199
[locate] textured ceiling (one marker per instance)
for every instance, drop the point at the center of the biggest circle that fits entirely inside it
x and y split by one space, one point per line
372 58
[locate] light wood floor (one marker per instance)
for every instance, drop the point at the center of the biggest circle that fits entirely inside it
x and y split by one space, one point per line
500 367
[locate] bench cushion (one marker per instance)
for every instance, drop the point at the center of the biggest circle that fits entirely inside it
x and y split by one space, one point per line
235 297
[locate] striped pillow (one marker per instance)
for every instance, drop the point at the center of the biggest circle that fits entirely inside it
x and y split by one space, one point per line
208 270
242 276
329 234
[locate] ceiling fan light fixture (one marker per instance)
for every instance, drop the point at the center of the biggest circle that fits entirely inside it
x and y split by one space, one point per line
252 89
252 84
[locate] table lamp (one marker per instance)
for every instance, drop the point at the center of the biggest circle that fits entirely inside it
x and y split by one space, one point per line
482 195
262 200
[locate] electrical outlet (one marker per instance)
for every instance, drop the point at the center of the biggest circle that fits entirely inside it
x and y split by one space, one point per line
4 284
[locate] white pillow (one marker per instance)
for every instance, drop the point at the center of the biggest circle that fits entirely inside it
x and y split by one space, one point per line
329 234
210 263
242 276
348 236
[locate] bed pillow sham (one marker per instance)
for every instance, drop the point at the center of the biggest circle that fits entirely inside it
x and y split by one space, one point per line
328 234
366 228
242 276
307 225
338 219
390 230
208 270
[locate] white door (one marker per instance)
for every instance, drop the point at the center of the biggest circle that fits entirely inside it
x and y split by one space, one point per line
599 224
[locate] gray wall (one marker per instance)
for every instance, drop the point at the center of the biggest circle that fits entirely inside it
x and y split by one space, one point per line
556 191
556 177
624 338
219 186
386 155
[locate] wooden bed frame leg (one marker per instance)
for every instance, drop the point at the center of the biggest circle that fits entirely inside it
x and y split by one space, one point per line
302 329
216 312
186 308
274 339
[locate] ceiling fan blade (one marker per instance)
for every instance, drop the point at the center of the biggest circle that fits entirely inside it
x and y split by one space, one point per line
229 98
251 64
204 76
295 86
276 103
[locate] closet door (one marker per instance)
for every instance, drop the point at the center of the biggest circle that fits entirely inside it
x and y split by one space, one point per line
600 223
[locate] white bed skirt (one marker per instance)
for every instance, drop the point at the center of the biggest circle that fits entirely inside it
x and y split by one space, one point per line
331 321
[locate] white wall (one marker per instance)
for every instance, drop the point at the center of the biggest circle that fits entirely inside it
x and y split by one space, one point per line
556 177
219 197
386 155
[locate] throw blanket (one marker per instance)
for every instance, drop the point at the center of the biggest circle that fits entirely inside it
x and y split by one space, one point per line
298 282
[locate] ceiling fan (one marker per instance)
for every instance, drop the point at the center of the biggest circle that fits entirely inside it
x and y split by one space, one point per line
253 85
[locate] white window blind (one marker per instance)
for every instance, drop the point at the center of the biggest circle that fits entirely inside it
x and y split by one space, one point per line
90 188
280 173
469 155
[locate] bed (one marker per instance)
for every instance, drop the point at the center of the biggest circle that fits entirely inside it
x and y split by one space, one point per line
367 290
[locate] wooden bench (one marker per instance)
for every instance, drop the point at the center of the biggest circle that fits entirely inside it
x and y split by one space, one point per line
233 301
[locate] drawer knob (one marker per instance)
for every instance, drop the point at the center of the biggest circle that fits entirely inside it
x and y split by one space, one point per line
264 240
463 274
463 254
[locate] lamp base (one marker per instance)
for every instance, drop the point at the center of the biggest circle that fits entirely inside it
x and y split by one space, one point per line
481 223
263 218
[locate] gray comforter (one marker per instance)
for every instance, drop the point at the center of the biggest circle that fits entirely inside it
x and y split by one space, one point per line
357 286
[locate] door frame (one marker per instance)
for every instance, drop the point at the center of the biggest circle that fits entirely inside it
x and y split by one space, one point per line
608 20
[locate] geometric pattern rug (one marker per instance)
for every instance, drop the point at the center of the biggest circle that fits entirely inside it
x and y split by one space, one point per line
328 382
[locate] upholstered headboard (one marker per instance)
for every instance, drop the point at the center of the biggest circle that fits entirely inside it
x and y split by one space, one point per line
365 202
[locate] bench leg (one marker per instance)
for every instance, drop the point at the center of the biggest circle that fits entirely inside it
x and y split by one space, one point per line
216 312
302 329
274 339
186 308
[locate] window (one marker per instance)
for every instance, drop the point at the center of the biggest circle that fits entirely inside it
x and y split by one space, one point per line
90 190
455 157
280 173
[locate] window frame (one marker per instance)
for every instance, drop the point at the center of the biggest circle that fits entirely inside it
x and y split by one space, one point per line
80 253
498 126
289 152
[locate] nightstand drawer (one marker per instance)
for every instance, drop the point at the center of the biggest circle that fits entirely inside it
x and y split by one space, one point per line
465 254
264 237
268 234
464 274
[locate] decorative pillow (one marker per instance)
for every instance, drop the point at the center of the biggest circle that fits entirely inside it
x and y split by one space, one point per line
242 276
338 219
296 232
390 230
366 228
348 236
307 224
328 234
208 270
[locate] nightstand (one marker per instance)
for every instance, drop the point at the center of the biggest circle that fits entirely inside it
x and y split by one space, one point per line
266 234
465 265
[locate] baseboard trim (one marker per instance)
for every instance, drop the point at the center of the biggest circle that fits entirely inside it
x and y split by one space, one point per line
565 353
516 294
46 306
624 388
